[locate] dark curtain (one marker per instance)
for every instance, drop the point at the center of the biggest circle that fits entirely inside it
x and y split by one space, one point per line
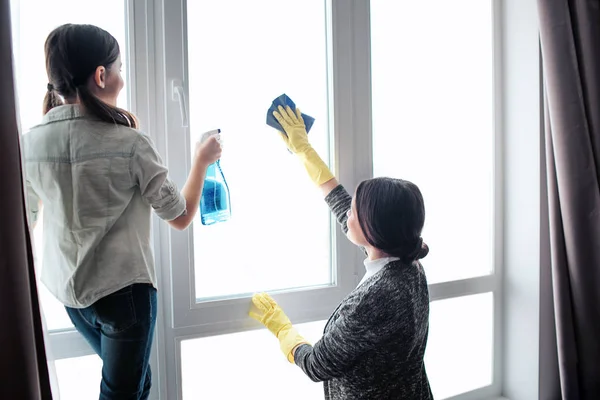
23 365
570 42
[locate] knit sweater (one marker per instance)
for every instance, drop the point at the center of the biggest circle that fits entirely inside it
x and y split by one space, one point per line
374 343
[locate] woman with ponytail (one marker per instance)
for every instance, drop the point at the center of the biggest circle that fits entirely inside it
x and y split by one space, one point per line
374 343
98 179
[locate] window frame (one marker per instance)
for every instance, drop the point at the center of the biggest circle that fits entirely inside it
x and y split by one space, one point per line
493 282
350 36
231 314
183 317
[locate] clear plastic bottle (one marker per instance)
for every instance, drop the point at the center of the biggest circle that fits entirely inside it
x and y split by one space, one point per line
215 204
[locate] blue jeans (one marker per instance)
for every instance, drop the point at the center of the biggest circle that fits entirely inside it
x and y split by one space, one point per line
120 329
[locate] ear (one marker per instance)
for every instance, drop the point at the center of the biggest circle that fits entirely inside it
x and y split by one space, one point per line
100 77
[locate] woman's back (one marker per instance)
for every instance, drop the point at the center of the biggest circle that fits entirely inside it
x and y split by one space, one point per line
393 308
97 181
384 323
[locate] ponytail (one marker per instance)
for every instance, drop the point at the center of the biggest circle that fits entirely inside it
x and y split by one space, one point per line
51 100
93 106
103 111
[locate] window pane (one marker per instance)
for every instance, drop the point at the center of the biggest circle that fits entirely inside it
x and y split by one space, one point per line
433 122
459 356
79 377
32 21
279 233
254 359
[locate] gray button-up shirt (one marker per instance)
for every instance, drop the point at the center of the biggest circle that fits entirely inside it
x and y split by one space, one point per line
98 183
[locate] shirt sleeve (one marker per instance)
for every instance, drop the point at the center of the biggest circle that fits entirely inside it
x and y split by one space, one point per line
150 174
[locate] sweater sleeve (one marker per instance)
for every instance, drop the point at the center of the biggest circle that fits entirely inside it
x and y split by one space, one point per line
340 202
367 320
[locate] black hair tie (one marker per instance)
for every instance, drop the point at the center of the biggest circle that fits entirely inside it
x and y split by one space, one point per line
50 87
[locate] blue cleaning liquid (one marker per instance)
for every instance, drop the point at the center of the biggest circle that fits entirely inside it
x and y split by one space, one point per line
215 204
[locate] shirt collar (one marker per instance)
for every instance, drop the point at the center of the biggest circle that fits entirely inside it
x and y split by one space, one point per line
62 113
373 266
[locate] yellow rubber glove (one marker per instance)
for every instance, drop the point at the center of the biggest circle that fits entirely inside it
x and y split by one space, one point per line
272 316
297 141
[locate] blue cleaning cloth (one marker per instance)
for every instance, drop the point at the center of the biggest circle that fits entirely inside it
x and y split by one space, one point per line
284 100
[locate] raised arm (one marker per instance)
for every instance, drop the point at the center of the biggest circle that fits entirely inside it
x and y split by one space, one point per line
296 139
328 186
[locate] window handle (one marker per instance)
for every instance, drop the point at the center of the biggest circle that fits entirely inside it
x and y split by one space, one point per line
178 95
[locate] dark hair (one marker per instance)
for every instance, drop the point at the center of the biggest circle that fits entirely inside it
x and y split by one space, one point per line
391 213
73 52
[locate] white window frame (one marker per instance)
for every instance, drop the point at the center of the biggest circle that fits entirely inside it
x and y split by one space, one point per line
188 319
230 314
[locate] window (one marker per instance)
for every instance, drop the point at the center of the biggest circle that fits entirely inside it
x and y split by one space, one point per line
276 210
281 236
433 124
79 377
460 348
208 365
281 233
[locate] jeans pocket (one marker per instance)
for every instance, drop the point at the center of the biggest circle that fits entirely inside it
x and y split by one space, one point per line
116 312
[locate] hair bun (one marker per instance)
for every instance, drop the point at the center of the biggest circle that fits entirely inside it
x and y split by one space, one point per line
423 252
420 250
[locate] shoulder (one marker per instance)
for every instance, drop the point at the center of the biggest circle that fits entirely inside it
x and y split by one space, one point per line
120 131
125 139
403 274
397 283
125 136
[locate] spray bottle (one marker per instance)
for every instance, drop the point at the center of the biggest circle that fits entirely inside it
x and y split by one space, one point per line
215 204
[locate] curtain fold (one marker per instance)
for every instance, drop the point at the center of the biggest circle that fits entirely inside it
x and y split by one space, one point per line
570 43
23 365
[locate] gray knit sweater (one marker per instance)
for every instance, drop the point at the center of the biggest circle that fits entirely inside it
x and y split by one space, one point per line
373 344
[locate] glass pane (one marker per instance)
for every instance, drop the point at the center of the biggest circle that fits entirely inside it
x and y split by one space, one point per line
208 365
433 122
459 356
79 377
279 233
32 21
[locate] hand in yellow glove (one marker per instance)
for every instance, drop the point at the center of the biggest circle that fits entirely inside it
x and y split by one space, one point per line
272 316
297 141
